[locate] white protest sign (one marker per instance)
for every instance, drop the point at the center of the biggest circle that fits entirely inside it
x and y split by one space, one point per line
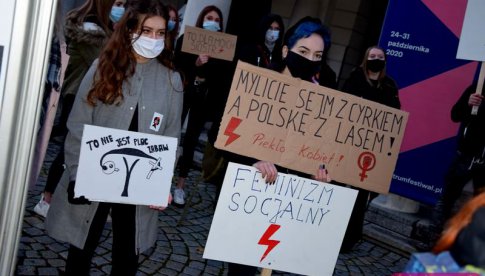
295 225
472 38
125 167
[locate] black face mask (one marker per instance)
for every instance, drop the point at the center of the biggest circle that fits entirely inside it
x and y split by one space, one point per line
301 67
375 65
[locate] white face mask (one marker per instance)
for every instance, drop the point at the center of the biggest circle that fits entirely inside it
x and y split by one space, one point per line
147 47
272 35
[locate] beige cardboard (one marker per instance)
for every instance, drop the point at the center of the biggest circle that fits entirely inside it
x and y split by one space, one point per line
218 45
300 125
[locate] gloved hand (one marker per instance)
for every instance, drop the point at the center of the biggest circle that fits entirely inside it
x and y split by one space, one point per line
70 195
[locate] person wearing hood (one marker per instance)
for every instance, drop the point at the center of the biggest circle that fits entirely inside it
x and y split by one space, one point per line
266 49
87 28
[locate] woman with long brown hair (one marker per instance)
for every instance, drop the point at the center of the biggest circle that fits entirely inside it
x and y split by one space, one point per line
130 82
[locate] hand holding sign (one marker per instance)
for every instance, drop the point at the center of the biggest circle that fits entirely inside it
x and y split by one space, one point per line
268 171
475 99
161 208
322 174
71 197
478 93
201 60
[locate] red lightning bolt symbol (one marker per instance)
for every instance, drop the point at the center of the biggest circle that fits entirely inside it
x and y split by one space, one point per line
266 241
231 126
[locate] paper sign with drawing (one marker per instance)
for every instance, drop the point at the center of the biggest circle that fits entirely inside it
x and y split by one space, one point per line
125 167
295 225
300 125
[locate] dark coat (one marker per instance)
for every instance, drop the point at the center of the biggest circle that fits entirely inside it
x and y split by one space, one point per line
83 47
386 92
472 137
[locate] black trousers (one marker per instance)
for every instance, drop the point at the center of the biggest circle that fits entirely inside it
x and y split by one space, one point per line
241 270
457 176
57 167
196 98
355 228
124 254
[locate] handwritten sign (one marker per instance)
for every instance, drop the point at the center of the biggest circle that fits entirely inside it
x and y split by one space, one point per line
125 167
300 125
295 225
472 38
216 44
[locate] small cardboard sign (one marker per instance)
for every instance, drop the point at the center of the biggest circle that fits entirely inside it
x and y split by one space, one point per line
472 38
300 125
216 44
125 167
295 225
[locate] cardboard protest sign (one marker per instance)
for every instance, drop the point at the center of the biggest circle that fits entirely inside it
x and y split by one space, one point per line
472 38
216 44
300 125
295 225
125 167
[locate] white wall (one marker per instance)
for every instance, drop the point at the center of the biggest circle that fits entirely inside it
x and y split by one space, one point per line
6 16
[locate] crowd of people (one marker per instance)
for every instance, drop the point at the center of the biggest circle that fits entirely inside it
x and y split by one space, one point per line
126 64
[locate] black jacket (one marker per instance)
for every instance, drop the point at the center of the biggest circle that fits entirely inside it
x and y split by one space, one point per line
218 74
472 136
259 55
385 92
